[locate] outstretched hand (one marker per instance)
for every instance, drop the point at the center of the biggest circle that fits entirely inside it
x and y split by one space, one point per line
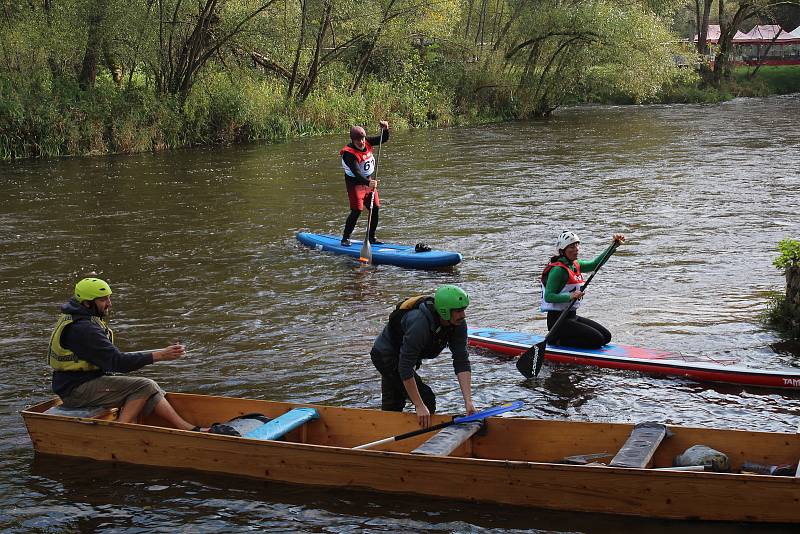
618 238
384 125
173 352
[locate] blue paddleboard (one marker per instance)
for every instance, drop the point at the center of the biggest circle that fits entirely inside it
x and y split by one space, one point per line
387 254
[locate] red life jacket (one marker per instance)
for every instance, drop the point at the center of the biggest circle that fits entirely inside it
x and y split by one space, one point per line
574 282
365 161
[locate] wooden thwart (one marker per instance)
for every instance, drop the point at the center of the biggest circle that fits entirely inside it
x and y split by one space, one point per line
638 450
448 439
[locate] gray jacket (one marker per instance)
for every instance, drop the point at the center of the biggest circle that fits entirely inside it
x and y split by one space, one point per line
423 338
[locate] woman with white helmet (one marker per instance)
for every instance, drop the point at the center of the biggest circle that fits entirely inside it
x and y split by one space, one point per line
561 283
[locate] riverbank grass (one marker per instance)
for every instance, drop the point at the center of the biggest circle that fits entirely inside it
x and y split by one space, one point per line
54 117
768 80
771 79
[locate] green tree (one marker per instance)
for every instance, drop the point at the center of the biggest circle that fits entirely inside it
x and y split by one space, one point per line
551 50
190 35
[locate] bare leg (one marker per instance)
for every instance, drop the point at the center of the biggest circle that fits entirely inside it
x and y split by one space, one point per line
131 410
165 411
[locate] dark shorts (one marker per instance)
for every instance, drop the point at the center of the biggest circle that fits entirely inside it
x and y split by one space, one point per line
113 392
359 197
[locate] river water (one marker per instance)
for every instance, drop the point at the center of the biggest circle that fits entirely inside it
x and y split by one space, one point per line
199 245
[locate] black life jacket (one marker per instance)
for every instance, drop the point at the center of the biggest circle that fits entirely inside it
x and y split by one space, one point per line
441 336
239 426
402 308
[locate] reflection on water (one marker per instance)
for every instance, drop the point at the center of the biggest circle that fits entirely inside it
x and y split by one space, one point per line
199 245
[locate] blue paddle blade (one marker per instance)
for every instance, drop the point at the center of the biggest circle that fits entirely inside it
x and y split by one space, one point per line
483 414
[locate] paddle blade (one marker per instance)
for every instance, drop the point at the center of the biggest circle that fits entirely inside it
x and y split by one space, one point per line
538 360
489 412
365 256
530 362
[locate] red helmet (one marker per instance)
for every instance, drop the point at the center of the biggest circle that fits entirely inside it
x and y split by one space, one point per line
357 132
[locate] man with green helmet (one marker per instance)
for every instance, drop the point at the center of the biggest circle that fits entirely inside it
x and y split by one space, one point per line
419 329
83 356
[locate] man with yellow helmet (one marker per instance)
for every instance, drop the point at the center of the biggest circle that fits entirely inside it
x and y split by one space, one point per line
83 357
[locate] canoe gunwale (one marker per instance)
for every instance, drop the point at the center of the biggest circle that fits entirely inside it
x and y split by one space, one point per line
539 484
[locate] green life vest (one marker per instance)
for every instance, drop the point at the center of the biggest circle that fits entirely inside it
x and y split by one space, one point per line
62 359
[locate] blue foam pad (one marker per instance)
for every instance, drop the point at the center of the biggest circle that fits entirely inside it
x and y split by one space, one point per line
283 424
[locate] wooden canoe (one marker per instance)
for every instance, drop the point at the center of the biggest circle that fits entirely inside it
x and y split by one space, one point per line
514 460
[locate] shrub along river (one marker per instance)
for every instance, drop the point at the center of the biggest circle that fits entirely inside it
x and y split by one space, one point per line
199 245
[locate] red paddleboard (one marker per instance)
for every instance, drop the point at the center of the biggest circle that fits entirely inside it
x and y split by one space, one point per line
701 368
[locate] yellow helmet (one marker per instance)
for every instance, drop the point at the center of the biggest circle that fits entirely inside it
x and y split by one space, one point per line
90 289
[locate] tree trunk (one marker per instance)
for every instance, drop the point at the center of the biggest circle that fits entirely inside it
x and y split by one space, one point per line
361 69
313 69
94 44
469 19
363 63
763 58
113 63
702 16
793 297
301 39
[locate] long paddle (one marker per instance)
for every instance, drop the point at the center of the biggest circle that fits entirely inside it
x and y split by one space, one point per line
477 416
365 256
530 363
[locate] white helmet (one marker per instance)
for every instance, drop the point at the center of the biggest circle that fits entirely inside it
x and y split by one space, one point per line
566 239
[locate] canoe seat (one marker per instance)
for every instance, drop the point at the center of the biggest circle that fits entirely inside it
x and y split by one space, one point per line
282 424
448 439
87 412
638 450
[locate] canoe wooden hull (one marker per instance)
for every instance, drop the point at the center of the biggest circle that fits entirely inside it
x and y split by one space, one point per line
514 463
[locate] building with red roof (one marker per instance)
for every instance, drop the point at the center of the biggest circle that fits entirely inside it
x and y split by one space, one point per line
767 43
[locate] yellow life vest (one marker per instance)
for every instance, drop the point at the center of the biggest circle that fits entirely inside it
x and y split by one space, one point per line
63 359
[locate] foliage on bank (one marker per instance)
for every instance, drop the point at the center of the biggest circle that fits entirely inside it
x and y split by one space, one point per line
784 310
103 76
61 119
688 87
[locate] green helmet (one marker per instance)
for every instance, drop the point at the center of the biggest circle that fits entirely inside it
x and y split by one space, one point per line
448 298
90 289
